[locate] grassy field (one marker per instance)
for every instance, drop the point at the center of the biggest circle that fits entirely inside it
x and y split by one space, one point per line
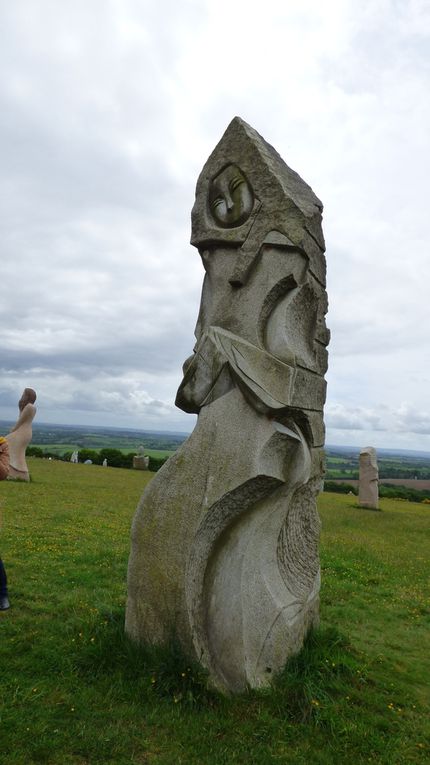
409 465
75 692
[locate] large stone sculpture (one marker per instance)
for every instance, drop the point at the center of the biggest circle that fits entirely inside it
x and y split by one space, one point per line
225 539
20 436
368 479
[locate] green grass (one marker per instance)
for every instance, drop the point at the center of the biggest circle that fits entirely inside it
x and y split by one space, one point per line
74 691
158 453
56 448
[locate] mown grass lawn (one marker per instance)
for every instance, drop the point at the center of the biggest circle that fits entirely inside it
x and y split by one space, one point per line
74 691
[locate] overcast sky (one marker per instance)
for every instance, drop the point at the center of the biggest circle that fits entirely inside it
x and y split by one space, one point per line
108 110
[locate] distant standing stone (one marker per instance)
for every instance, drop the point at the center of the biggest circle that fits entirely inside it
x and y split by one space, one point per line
140 462
104 463
368 487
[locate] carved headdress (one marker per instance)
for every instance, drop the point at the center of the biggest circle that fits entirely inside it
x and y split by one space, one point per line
246 195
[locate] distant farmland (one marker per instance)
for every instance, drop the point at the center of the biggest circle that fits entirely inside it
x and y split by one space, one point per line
410 483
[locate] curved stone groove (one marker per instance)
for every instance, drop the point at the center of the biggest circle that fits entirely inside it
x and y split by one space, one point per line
297 549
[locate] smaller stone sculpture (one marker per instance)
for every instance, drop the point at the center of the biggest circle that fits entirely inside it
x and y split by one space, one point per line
368 485
75 457
104 463
140 462
20 436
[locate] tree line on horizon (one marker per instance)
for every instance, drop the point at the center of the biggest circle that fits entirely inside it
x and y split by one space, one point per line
392 492
114 457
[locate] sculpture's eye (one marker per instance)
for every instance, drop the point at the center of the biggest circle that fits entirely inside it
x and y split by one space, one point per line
236 182
216 202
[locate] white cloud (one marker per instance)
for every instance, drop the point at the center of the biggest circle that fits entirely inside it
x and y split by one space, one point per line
100 399
339 417
408 418
405 426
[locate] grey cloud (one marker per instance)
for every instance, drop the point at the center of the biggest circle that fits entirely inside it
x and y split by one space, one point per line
406 419
113 359
104 398
9 398
341 417
390 35
409 418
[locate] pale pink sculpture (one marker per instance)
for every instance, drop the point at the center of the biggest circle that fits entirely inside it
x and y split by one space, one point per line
368 484
20 436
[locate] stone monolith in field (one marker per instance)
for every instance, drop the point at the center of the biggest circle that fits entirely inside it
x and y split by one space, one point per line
368 493
224 551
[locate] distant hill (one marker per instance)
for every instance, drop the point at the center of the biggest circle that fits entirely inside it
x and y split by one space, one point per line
355 450
342 461
95 437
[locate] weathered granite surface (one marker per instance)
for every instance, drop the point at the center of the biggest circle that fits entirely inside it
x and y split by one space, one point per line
224 550
368 494
20 436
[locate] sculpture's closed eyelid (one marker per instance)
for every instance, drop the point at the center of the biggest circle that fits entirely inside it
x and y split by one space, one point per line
236 182
217 201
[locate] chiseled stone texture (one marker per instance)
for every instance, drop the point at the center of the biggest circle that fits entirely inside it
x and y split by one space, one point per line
21 435
224 550
368 495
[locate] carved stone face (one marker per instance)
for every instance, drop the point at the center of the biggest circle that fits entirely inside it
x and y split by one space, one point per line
230 197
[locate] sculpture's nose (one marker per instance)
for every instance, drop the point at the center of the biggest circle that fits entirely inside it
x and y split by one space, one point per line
229 202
